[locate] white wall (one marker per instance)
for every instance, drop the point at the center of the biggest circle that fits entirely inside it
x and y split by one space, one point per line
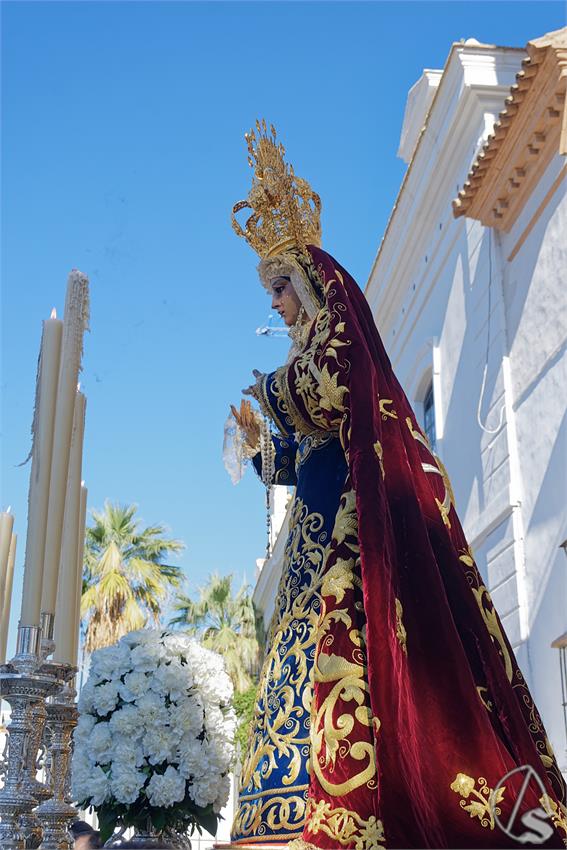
446 307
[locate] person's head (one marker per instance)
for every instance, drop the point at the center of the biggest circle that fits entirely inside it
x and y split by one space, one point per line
84 836
285 299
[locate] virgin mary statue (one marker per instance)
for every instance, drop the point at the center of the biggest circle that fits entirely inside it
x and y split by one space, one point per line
391 710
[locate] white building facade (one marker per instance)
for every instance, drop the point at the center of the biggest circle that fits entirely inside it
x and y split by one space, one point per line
470 299
468 293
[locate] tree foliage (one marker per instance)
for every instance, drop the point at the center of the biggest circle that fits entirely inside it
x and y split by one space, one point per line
126 584
226 623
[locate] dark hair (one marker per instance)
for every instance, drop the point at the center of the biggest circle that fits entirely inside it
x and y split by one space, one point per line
80 827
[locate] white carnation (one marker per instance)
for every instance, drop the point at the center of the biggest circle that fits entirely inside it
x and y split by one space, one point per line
111 662
135 684
105 697
83 728
99 786
189 756
188 714
176 644
140 636
128 751
172 679
145 657
153 709
81 769
86 697
164 791
223 794
126 782
160 743
128 720
100 743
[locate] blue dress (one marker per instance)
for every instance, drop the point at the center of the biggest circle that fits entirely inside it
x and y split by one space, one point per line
274 779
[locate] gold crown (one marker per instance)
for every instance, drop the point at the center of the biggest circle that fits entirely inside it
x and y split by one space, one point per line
285 209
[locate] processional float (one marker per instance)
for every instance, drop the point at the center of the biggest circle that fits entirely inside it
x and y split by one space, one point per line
38 682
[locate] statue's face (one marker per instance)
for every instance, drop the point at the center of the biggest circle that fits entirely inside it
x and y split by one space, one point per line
285 300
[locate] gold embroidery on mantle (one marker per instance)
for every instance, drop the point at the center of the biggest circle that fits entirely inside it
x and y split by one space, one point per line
380 455
439 469
488 611
557 813
345 676
482 804
384 410
486 702
466 556
401 633
344 826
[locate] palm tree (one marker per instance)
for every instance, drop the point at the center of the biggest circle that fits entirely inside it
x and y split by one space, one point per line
225 623
125 583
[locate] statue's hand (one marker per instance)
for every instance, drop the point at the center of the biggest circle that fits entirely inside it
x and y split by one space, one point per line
252 389
246 419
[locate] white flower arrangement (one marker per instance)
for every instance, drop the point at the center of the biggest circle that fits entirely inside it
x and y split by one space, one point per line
155 736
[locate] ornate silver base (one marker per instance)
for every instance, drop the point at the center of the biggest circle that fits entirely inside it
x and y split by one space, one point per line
25 683
57 813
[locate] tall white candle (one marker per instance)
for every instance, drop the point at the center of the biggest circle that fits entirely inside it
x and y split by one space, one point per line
75 322
38 500
6 528
6 603
66 625
80 565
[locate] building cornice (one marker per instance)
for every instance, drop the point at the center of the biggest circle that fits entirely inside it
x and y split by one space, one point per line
529 132
473 85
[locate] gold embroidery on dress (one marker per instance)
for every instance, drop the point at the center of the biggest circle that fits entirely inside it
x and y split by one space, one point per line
483 803
278 717
285 814
344 826
401 633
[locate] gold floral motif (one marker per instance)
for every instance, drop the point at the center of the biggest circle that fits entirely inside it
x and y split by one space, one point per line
380 455
484 803
547 757
557 812
344 826
384 410
466 556
331 393
401 633
286 814
344 677
280 728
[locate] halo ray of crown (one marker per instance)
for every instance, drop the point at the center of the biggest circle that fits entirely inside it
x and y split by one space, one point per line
285 210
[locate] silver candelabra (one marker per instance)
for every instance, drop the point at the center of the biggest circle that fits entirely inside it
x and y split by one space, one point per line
38 691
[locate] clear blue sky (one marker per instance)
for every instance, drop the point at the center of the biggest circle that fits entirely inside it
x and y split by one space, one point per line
122 154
